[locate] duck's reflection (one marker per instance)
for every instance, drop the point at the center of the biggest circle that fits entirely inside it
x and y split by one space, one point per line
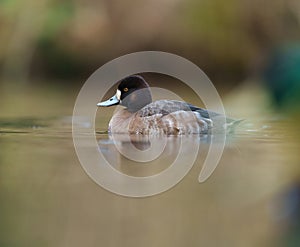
146 155
141 143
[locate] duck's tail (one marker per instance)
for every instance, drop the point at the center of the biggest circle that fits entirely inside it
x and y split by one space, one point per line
231 124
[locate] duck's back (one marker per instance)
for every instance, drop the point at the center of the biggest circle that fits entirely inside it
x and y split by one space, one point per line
167 117
172 118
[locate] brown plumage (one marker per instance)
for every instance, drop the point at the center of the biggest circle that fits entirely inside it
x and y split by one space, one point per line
170 117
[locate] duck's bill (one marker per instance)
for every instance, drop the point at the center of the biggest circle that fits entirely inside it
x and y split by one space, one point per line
112 101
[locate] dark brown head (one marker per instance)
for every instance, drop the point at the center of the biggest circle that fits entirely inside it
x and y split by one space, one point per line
133 92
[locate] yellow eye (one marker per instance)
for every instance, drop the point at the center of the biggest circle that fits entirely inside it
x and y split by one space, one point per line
125 89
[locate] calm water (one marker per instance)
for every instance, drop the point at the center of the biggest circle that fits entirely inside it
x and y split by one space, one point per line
48 200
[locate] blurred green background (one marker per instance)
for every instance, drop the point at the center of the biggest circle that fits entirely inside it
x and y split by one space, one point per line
251 52
68 40
60 43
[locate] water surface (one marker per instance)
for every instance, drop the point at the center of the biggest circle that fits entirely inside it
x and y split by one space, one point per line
48 200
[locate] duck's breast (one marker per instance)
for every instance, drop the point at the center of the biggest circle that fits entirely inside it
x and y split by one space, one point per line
156 122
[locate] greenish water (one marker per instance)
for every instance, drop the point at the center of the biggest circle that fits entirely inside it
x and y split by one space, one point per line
48 200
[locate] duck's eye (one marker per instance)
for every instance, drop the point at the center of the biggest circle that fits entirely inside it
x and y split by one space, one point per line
125 89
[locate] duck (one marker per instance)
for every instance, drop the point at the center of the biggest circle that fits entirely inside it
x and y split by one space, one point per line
141 115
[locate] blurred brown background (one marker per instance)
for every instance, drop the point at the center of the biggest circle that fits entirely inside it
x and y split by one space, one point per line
70 39
251 52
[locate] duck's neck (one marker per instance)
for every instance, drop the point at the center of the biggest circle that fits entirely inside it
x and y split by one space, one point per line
137 100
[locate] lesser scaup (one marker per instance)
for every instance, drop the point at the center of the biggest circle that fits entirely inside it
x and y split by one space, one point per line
142 116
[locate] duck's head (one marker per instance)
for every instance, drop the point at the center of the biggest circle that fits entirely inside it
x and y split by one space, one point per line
133 92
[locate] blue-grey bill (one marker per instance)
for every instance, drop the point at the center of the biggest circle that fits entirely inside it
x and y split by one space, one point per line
112 101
